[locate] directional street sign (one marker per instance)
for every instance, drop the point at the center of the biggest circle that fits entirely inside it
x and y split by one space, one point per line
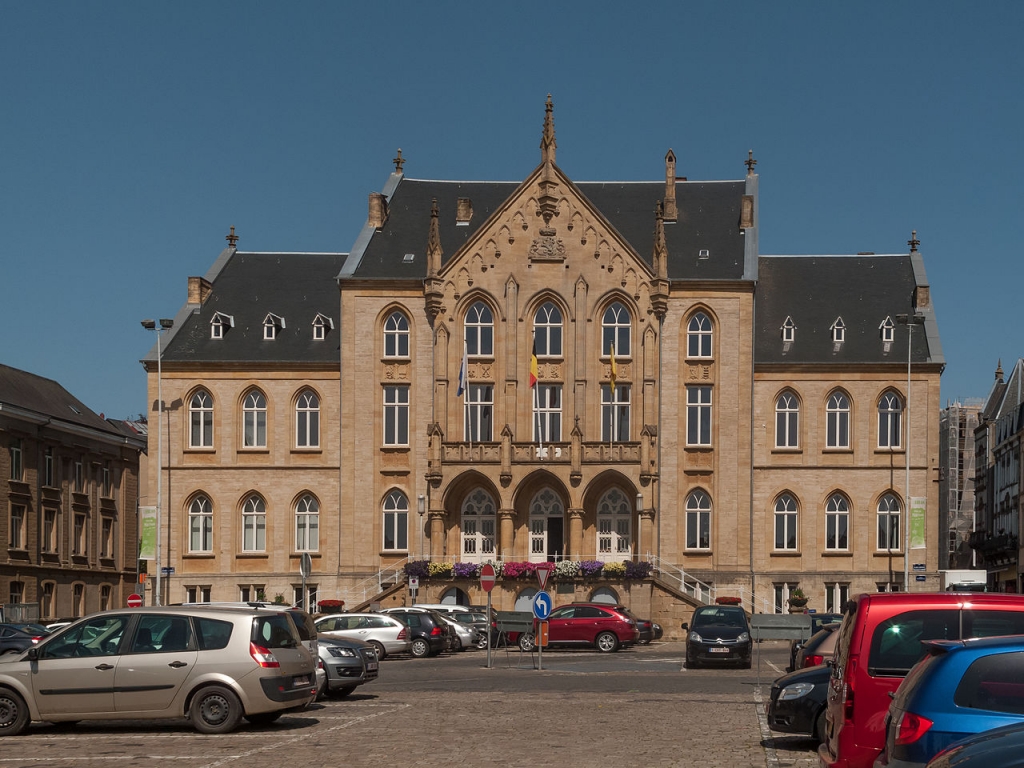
542 605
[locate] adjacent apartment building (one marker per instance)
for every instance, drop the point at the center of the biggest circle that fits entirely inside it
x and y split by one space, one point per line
553 369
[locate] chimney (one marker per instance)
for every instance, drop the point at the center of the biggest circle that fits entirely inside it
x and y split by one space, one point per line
464 211
670 211
198 290
378 210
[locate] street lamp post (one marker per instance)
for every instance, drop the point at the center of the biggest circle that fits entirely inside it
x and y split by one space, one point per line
639 509
910 321
421 507
164 325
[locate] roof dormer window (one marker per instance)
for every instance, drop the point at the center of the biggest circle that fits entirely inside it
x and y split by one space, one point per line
788 331
272 324
888 330
220 324
322 324
838 331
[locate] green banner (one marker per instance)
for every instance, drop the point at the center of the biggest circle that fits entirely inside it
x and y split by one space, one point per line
918 509
147 533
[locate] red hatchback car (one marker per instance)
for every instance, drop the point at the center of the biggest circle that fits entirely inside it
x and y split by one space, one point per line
604 626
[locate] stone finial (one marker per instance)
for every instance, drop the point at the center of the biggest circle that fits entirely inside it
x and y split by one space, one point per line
660 255
547 141
232 238
750 162
999 371
399 161
671 213
434 252
913 242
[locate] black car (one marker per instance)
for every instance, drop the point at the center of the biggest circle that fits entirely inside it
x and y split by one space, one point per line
797 703
348 664
718 633
818 649
646 629
818 620
429 633
15 638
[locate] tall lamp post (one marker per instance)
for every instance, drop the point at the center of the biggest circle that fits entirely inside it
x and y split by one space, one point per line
910 321
421 507
163 325
639 509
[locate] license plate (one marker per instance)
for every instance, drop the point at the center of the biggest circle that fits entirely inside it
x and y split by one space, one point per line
372 666
301 680
718 650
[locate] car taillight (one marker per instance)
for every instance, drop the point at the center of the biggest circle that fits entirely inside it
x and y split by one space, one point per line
403 634
813 661
263 656
911 727
435 632
37 639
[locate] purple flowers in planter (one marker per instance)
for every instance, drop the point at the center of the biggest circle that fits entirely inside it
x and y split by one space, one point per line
418 568
637 570
465 570
591 567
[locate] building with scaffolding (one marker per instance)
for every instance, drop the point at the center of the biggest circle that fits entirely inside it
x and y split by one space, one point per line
957 423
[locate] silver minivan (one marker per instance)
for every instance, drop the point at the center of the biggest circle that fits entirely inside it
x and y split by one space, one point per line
213 666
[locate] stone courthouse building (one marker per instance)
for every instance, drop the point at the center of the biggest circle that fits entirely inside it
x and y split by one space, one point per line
546 370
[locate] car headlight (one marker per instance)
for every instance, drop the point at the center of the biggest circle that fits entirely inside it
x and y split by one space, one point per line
795 691
695 638
336 651
744 637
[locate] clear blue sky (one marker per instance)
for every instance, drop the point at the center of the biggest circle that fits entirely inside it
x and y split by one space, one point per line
135 133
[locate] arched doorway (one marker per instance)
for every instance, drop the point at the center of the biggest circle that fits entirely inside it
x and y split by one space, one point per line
605 595
524 600
454 596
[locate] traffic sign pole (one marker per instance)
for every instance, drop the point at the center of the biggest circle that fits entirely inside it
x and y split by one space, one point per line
487 584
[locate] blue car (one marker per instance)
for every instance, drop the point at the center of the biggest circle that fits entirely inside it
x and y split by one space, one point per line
958 689
1002 747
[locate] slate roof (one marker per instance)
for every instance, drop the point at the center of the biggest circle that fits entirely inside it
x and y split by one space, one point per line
816 290
709 215
248 287
29 392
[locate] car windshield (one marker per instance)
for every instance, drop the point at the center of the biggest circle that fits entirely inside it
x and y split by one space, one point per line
719 617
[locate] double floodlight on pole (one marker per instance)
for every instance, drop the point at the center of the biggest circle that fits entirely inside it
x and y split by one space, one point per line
165 324
910 321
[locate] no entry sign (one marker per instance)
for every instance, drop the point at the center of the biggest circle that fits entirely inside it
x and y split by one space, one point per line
487 577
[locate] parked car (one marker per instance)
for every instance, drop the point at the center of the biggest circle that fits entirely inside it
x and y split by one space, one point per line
15 638
1002 747
429 633
797 703
348 663
658 631
960 688
213 666
479 620
385 633
604 626
878 643
646 629
819 649
718 633
818 620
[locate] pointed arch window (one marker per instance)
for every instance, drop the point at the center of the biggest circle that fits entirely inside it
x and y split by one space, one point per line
479 523
838 331
307 524
254 420
699 336
396 335
254 525
837 418
321 325
547 331
614 525
220 324
785 523
837 523
616 331
890 418
272 326
480 331
200 525
698 520
200 419
396 522
307 420
547 514
787 421
889 513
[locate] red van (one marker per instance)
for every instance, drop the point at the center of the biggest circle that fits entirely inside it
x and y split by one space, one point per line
879 641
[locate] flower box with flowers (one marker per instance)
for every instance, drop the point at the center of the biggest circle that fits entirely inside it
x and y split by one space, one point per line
728 600
330 606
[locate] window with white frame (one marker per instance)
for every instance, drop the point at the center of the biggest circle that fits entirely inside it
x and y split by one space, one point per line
78 543
48 474
698 520
614 525
272 325
307 420
837 595
782 591
698 415
698 336
48 541
788 330
219 325
479 523
396 335
321 324
616 331
200 419
547 421
249 592
254 525
838 331
479 416
396 522
837 522
785 523
254 420
887 330
889 513
200 525
15 453
890 413
396 415
307 524
480 331
547 331
615 413
837 421
197 594
106 536
305 600
17 526
17 592
787 421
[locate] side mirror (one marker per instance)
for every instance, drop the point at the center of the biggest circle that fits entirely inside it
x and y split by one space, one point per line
685 625
33 654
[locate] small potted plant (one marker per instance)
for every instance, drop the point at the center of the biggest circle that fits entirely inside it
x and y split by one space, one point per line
797 600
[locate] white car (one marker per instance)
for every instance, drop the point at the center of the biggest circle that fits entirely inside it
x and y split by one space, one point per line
385 633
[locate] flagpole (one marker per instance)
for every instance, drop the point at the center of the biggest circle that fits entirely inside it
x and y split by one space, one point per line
536 419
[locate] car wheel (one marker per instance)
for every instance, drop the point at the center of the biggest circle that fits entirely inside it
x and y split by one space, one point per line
379 648
215 710
263 718
340 693
607 642
643 642
13 714
819 728
420 648
526 641
321 691
481 642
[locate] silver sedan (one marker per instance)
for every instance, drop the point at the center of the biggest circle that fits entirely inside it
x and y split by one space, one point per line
385 633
